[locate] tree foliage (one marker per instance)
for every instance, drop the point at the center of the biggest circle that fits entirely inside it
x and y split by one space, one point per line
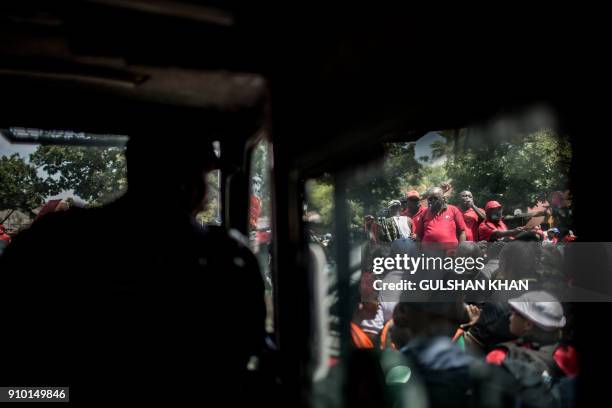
373 186
430 176
516 173
96 174
20 186
320 197
261 167
211 214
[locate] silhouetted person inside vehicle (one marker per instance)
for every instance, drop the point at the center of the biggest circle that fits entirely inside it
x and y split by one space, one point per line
128 316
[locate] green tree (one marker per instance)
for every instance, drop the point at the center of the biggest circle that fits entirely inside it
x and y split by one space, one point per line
439 149
260 167
20 186
211 213
452 144
371 188
517 173
320 197
431 176
96 174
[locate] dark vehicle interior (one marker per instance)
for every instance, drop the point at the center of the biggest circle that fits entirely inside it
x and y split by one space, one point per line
325 87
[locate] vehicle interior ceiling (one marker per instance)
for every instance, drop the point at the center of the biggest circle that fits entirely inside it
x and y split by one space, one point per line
167 70
90 79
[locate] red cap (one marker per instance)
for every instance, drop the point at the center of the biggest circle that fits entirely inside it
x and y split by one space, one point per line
492 204
413 194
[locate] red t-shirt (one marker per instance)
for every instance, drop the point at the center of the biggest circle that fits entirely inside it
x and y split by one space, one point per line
417 217
471 222
254 211
442 227
487 227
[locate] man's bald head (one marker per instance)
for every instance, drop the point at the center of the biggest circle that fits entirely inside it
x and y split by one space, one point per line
435 199
435 191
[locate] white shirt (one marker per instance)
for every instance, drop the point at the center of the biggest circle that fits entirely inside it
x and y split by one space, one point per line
402 225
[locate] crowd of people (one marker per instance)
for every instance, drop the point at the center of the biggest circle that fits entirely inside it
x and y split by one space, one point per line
522 341
440 222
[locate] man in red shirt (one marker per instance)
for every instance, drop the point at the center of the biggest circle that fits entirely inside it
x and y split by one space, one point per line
413 209
5 239
472 215
494 228
3 235
441 223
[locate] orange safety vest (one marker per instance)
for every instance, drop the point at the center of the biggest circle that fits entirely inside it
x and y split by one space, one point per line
458 334
360 339
385 339
459 338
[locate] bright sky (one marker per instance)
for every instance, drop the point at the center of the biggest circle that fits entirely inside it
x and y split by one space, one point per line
423 148
7 148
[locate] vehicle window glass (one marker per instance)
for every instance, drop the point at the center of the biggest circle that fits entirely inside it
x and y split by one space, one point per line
40 178
518 163
260 219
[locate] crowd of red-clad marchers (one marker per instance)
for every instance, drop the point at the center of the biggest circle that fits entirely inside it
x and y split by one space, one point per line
514 348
